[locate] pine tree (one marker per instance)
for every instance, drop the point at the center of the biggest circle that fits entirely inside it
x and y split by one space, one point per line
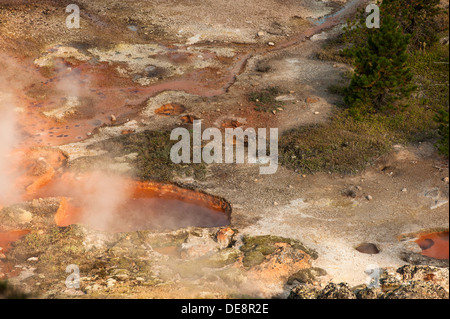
381 72
415 18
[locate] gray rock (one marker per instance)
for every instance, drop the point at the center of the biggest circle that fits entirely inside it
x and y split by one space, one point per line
337 291
368 248
418 290
303 292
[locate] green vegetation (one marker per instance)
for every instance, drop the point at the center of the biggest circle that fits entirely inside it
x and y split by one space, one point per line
443 143
332 50
381 72
256 249
432 76
420 19
306 276
381 108
56 248
153 155
345 145
9 292
416 17
265 100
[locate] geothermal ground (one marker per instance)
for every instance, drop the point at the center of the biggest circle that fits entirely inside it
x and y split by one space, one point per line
84 120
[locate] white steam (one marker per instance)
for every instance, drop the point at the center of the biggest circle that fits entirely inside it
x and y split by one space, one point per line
8 141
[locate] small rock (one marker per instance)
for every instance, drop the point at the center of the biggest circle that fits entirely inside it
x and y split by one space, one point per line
33 259
275 204
351 193
224 237
404 190
337 291
311 100
319 37
316 113
271 44
369 197
94 287
110 282
198 247
368 248
304 292
2 256
444 41
22 216
113 118
261 33
445 180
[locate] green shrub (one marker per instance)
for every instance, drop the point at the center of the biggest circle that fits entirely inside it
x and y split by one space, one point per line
443 143
416 18
265 100
381 72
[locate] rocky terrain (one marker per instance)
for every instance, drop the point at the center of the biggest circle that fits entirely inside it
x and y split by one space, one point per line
94 99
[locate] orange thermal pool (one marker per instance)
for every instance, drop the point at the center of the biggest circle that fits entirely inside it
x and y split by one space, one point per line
434 245
151 206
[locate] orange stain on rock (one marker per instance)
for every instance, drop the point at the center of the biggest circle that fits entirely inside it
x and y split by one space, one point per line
6 238
434 245
171 109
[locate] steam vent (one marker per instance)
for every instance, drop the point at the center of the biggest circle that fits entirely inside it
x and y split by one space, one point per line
224 150
150 206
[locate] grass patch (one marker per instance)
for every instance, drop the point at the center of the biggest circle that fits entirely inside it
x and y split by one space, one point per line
337 89
153 160
344 145
332 50
348 145
56 248
265 100
432 77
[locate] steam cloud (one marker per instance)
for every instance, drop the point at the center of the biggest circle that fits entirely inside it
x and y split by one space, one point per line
9 140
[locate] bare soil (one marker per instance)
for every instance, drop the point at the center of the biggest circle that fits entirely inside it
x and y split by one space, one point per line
130 58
